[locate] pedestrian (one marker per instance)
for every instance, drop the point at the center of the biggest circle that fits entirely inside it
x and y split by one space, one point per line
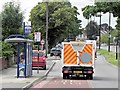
22 66
21 58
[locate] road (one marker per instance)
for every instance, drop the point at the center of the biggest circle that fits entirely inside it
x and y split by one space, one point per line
54 80
105 76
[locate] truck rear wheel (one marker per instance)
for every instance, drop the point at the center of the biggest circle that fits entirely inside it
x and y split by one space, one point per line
65 76
90 76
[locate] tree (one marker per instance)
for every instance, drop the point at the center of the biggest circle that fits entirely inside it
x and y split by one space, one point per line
112 7
92 29
89 11
12 19
63 21
0 27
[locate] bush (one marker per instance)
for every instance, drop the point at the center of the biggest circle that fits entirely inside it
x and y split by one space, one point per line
7 49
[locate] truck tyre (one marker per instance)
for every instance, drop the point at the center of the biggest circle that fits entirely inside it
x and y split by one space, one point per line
60 56
65 76
90 77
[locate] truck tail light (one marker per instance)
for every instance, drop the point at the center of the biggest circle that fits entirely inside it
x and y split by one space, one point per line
66 71
89 71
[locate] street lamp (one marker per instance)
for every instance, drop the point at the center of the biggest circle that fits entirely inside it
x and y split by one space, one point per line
109 32
89 20
46 28
87 29
116 48
117 44
100 32
99 15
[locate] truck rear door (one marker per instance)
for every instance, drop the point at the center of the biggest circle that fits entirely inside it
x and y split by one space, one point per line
69 55
78 53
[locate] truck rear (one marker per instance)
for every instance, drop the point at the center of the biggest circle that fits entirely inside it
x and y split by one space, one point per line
78 59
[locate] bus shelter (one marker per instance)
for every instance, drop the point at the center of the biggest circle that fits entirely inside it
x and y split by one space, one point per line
24 54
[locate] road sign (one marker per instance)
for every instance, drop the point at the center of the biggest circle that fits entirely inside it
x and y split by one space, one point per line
27 27
37 36
42 41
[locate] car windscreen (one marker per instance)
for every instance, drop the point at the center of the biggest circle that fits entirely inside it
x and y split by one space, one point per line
53 49
58 49
35 54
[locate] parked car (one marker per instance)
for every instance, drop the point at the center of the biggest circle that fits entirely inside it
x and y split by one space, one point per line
42 60
59 46
55 52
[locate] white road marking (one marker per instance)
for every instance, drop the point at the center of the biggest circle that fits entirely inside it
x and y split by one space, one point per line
55 81
70 80
63 82
56 60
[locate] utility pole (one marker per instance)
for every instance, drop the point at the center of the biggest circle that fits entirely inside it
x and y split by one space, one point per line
100 32
87 29
116 48
89 19
109 36
117 45
46 28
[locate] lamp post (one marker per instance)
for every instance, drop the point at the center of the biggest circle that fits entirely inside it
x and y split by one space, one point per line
117 45
109 32
87 29
100 32
99 15
46 28
89 21
38 49
116 48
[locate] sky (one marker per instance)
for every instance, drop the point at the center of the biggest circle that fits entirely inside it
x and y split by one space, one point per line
27 5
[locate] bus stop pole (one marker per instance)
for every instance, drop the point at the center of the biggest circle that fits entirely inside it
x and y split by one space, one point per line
38 59
25 57
18 59
116 52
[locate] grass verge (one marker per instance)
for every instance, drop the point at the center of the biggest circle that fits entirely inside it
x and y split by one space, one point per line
110 56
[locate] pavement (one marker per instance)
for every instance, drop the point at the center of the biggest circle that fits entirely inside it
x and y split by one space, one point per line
9 79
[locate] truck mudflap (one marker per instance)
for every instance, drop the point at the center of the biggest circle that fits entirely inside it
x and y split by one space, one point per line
77 71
